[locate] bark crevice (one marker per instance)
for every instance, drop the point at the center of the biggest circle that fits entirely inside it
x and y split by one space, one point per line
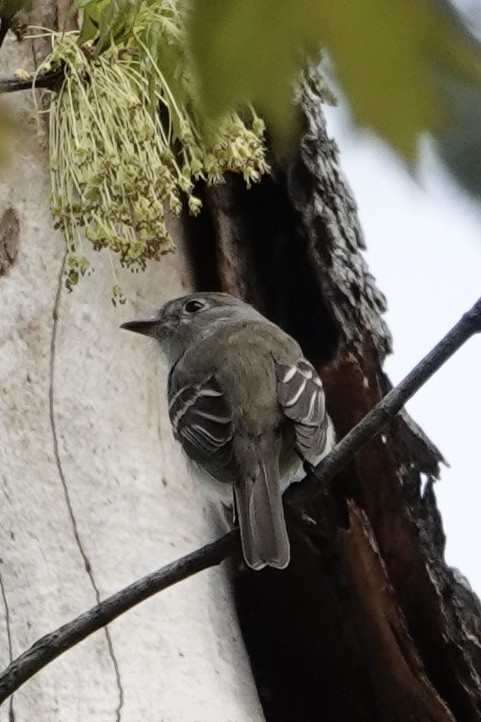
68 501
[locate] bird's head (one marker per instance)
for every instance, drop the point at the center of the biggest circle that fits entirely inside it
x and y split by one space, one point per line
188 319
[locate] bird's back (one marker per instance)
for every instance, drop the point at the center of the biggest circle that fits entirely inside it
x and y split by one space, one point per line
242 356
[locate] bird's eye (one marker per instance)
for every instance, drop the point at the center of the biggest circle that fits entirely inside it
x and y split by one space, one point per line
193 306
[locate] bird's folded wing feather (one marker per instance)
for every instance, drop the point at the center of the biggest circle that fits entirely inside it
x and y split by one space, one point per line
202 422
301 396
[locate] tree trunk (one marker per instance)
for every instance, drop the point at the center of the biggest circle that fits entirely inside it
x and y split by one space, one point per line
94 489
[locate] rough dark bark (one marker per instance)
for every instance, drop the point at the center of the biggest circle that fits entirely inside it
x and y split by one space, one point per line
368 622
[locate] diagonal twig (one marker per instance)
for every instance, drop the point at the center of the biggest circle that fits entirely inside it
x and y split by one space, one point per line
52 645
392 403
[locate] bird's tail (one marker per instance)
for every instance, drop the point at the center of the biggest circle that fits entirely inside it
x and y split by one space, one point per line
261 519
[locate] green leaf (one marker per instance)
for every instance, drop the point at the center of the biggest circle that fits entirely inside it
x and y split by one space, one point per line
107 21
91 15
9 8
387 55
115 22
167 47
79 5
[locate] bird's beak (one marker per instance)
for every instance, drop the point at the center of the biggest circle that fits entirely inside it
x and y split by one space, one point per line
147 326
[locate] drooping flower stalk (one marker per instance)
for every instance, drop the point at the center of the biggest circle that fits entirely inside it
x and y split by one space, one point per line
127 140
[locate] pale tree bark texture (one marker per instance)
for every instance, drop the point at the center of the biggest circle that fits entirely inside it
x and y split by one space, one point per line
367 622
93 490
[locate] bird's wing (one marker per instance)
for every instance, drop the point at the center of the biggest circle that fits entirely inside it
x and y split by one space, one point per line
301 396
202 421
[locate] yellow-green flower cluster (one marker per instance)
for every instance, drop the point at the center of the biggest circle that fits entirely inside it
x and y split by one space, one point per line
125 150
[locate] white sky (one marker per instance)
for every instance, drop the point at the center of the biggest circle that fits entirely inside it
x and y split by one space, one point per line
424 247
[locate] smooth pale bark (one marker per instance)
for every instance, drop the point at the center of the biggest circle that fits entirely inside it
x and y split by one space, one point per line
94 491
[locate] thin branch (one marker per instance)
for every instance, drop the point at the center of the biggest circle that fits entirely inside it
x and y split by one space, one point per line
392 403
52 645
46 80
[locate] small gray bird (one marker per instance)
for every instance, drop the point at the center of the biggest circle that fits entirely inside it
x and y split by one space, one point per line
245 405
